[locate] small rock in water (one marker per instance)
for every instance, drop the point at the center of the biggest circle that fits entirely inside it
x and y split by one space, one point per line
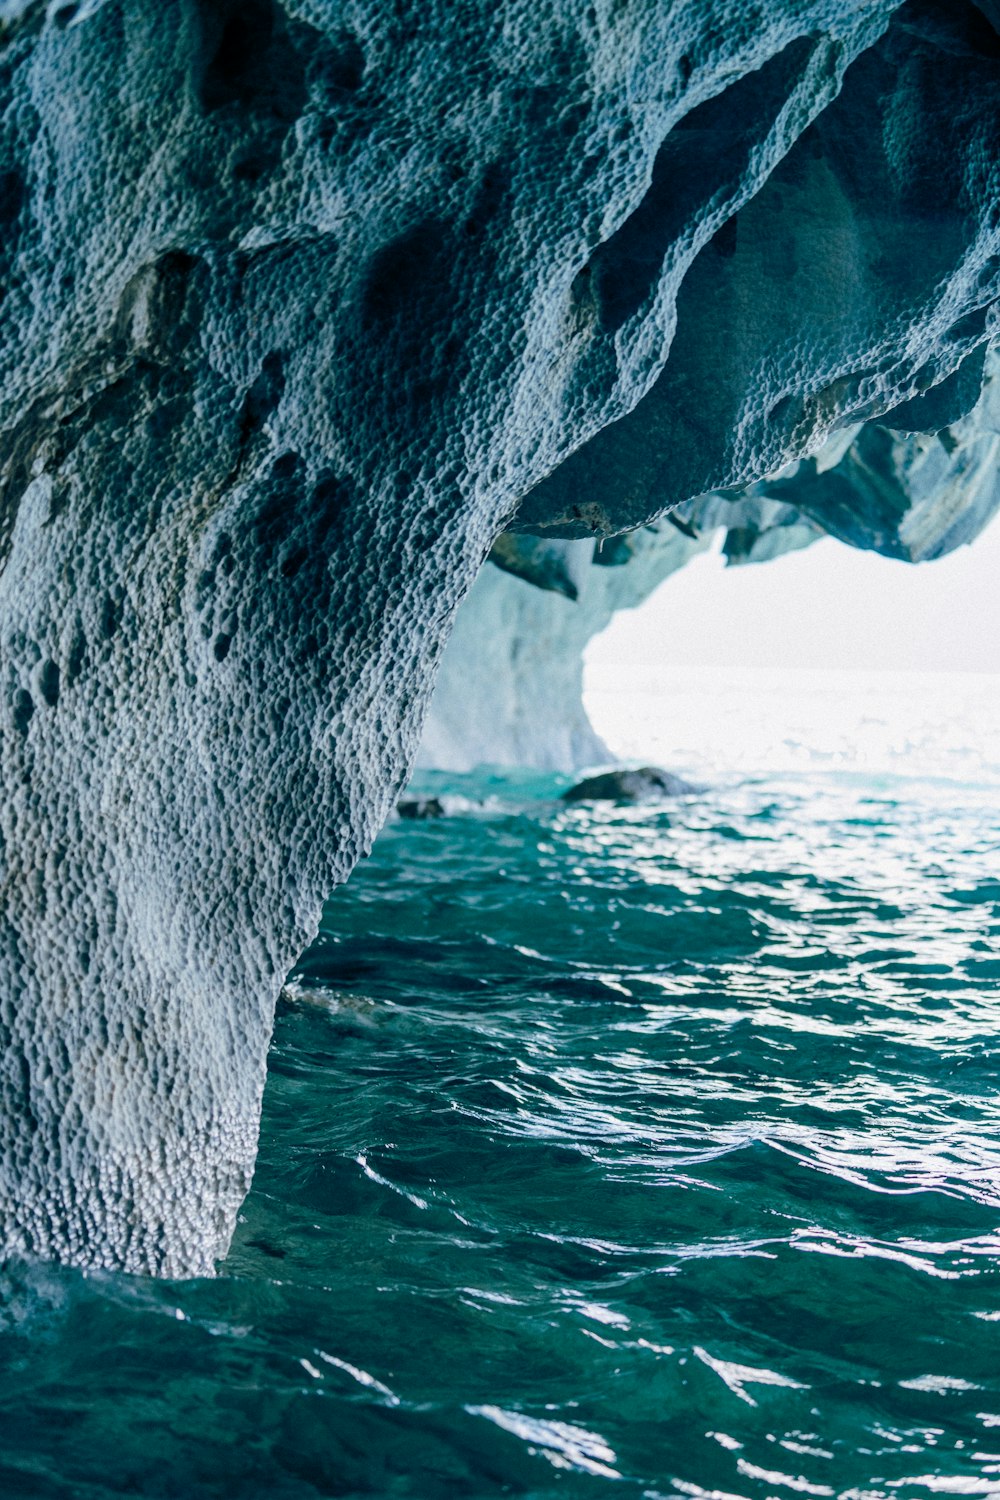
647 784
421 807
436 807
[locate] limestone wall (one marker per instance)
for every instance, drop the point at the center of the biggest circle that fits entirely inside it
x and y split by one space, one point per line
301 303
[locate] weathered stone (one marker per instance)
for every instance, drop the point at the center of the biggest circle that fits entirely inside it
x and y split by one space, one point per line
783 273
908 494
299 301
510 688
557 567
645 784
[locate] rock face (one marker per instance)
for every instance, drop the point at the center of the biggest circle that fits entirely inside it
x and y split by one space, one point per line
510 686
300 300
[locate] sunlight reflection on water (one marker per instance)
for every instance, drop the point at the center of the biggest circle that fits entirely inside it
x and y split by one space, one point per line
650 1151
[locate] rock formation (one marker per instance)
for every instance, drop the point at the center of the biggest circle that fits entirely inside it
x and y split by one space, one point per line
301 301
646 784
510 686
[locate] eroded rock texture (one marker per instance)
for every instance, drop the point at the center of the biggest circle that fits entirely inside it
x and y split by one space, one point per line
509 690
300 300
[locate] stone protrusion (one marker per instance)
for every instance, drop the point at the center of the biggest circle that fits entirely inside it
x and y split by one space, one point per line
300 302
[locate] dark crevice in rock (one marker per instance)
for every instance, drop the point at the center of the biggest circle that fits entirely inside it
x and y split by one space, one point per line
13 192
944 403
972 326
704 156
48 682
262 398
725 239
407 313
23 710
963 26
161 306
336 67
410 274
988 16
77 654
111 615
250 60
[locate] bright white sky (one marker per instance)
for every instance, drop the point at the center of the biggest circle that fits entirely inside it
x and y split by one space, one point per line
826 606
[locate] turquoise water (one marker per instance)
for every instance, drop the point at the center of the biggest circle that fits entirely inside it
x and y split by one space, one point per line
607 1152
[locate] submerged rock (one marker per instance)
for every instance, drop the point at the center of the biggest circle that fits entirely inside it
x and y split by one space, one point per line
647 784
301 303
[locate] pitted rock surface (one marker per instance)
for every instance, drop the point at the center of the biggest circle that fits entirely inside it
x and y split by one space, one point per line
809 307
300 300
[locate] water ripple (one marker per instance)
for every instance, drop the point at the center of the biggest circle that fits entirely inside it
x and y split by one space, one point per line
635 1149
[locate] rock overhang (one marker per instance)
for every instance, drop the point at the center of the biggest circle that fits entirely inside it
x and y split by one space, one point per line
301 302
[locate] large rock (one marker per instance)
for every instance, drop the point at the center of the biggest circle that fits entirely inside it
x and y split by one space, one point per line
831 255
299 301
622 784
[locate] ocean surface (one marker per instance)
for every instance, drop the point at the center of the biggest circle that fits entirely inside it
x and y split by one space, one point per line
607 1152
